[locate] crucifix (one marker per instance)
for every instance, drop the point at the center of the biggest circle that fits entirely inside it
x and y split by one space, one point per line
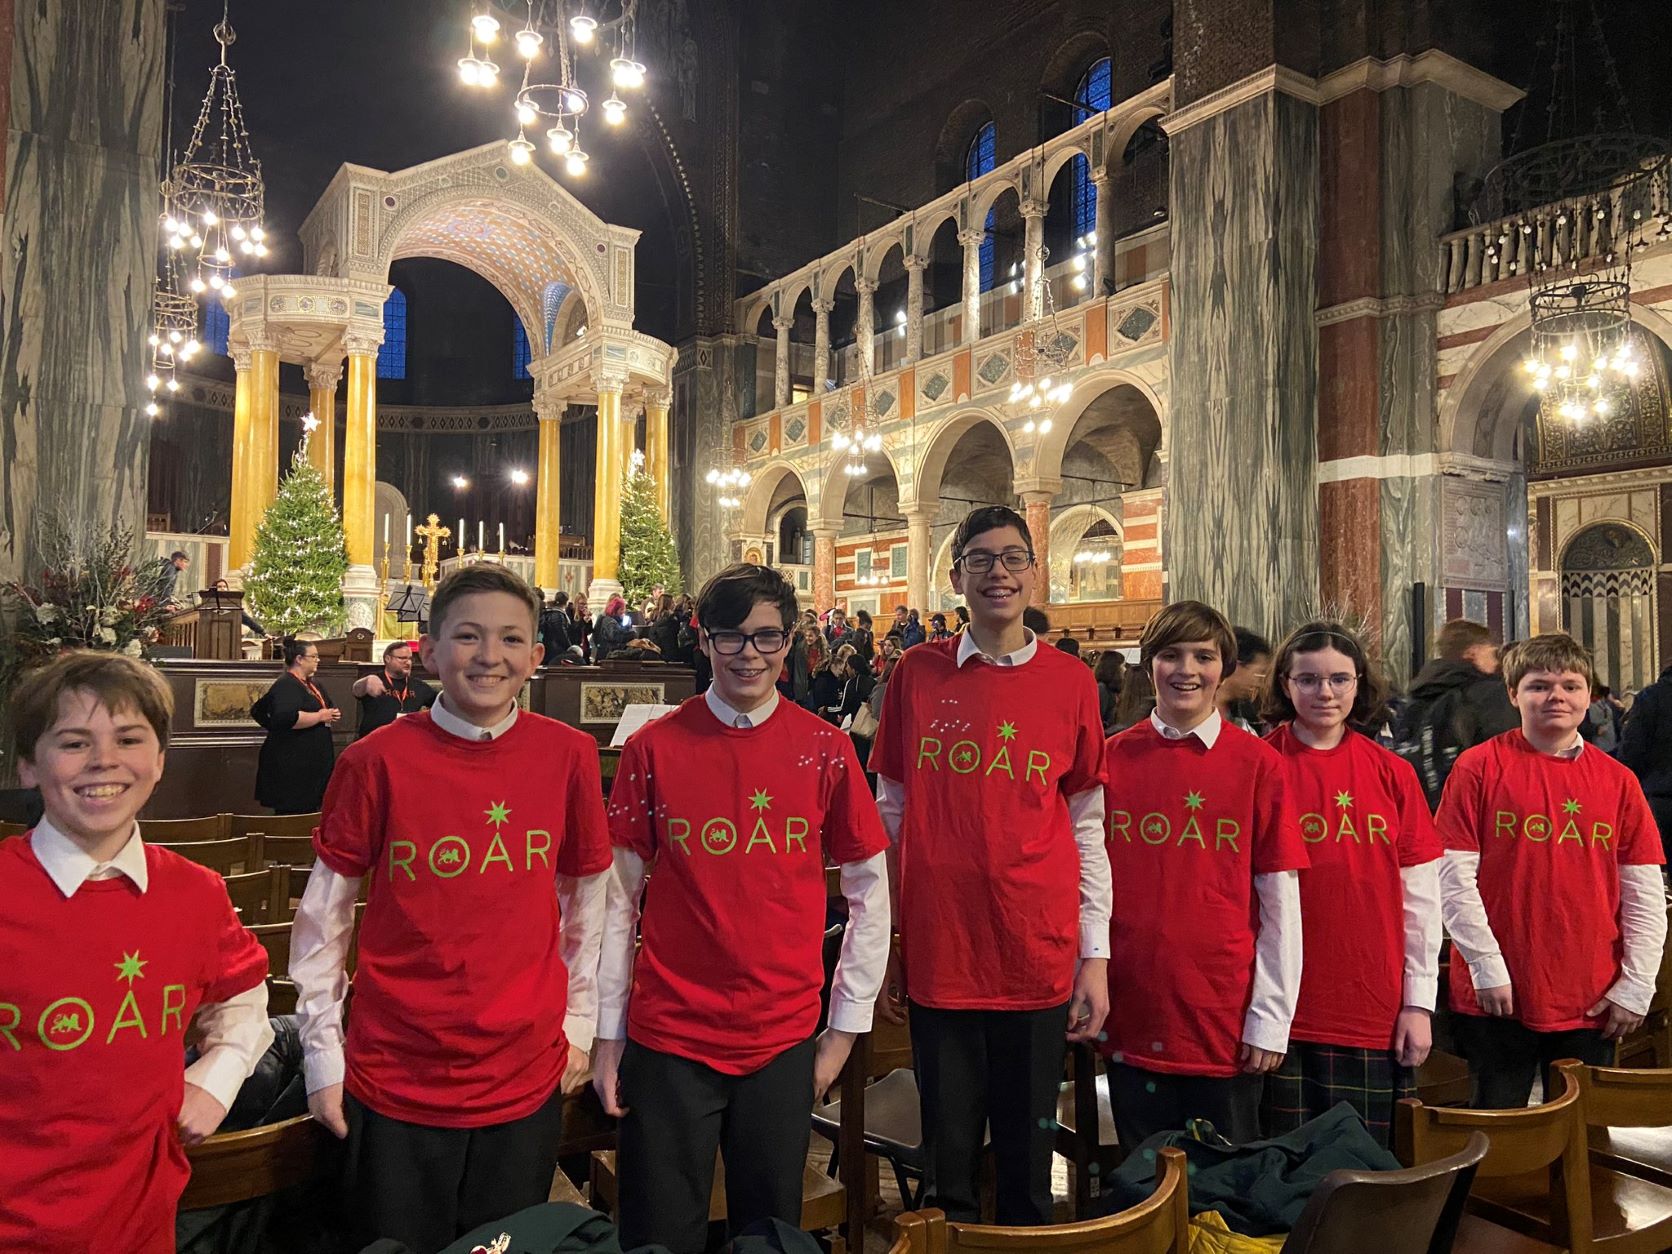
432 534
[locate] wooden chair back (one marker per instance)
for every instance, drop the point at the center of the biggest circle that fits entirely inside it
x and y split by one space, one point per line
1618 1097
271 825
261 896
176 831
239 1166
8 828
225 856
275 939
288 849
1160 1224
1413 1211
1536 1153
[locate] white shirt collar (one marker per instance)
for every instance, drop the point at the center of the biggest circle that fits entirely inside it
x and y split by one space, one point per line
70 866
453 725
1207 731
967 648
730 717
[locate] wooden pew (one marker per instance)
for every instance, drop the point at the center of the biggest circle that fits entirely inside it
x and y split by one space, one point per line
239 1166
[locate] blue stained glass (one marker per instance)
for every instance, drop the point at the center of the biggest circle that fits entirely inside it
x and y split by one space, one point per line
215 327
982 157
519 349
1095 95
391 355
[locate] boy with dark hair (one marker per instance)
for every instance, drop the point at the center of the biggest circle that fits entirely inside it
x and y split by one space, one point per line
110 950
1551 886
481 828
737 799
391 695
1455 703
989 761
1205 950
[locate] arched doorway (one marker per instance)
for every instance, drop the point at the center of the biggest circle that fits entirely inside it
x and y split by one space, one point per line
1608 601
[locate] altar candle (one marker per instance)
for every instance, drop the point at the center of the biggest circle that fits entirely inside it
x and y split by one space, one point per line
502 537
409 535
481 532
458 536
386 531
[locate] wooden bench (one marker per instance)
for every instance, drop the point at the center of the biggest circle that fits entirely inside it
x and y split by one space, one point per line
239 1166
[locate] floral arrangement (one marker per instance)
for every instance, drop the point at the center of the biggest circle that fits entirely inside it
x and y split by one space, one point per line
93 592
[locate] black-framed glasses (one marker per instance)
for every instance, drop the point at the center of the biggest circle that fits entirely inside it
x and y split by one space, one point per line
979 561
769 640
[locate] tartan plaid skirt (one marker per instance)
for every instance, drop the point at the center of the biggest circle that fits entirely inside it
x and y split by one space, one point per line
1315 1077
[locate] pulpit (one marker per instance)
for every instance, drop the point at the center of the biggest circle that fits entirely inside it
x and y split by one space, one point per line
213 629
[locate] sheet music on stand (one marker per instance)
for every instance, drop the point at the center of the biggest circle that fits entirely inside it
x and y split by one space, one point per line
634 717
410 605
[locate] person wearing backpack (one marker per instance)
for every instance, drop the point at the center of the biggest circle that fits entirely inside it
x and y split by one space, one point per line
1455 703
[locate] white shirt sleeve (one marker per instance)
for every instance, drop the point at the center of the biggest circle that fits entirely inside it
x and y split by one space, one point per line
1277 960
1097 891
581 906
1421 886
1464 915
1642 937
319 941
891 804
235 1036
624 887
863 963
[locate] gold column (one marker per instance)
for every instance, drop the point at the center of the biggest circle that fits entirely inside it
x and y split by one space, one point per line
240 531
360 452
548 521
323 378
264 438
606 509
656 462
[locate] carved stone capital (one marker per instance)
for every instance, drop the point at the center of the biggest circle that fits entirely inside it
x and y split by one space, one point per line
823 306
1034 208
324 375
550 408
782 325
658 398
865 287
919 264
973 238
240 359
362 345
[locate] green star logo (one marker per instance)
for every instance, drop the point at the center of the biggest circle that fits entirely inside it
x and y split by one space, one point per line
1193 800
1007 731
131 967
498 814
759 800
1343 798
964 757
1571 806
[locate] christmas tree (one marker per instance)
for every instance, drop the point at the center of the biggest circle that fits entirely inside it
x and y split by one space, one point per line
296 575
648 555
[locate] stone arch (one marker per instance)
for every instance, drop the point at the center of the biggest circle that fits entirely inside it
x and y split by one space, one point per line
1061 157
1607 589
988 196
931 467
1127 121
1074 55
830 509
1068 527
880 246
757 502
952 147
1053 446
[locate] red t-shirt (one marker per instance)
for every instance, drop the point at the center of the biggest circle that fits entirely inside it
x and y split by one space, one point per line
460 991
1189 829
1552 834
989 871
1363 818
97 991
736 824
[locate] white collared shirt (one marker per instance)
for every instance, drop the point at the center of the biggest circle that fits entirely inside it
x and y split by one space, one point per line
70 866
1207 731
967 648
453 725
735 718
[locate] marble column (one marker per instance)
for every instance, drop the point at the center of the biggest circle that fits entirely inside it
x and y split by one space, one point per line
915 266
821 344
1103 272
919 518
360 588
606 501
1033 259
865 326
323 377
824 568
548 521
971 241
781 365
1242 513
264 427
240 516
83 126
1036 507
656 449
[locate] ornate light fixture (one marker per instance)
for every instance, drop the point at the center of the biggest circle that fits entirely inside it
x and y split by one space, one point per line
857 444
731 481
173 339
1042 358
214 196
550 96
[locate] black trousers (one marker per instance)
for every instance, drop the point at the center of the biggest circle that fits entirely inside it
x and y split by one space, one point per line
679 1112
1147 1102
1504 1055
997 1071
426 1187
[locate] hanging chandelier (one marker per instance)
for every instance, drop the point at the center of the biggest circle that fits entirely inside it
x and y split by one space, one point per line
173 339
1043 355
546 38
731 481
214 196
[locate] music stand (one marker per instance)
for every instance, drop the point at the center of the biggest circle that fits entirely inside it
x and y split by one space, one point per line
410 605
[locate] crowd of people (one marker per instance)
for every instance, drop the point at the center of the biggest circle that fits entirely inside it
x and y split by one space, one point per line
1238 899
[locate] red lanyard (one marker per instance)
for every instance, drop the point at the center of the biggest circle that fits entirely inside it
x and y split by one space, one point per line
398 694
317 695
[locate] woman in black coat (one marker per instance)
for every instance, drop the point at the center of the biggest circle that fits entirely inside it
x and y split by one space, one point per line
297 756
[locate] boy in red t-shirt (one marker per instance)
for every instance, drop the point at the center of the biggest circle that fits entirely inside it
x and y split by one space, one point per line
1551 885
989 763
1205 947
735 801
1370 899
110 951
479 832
